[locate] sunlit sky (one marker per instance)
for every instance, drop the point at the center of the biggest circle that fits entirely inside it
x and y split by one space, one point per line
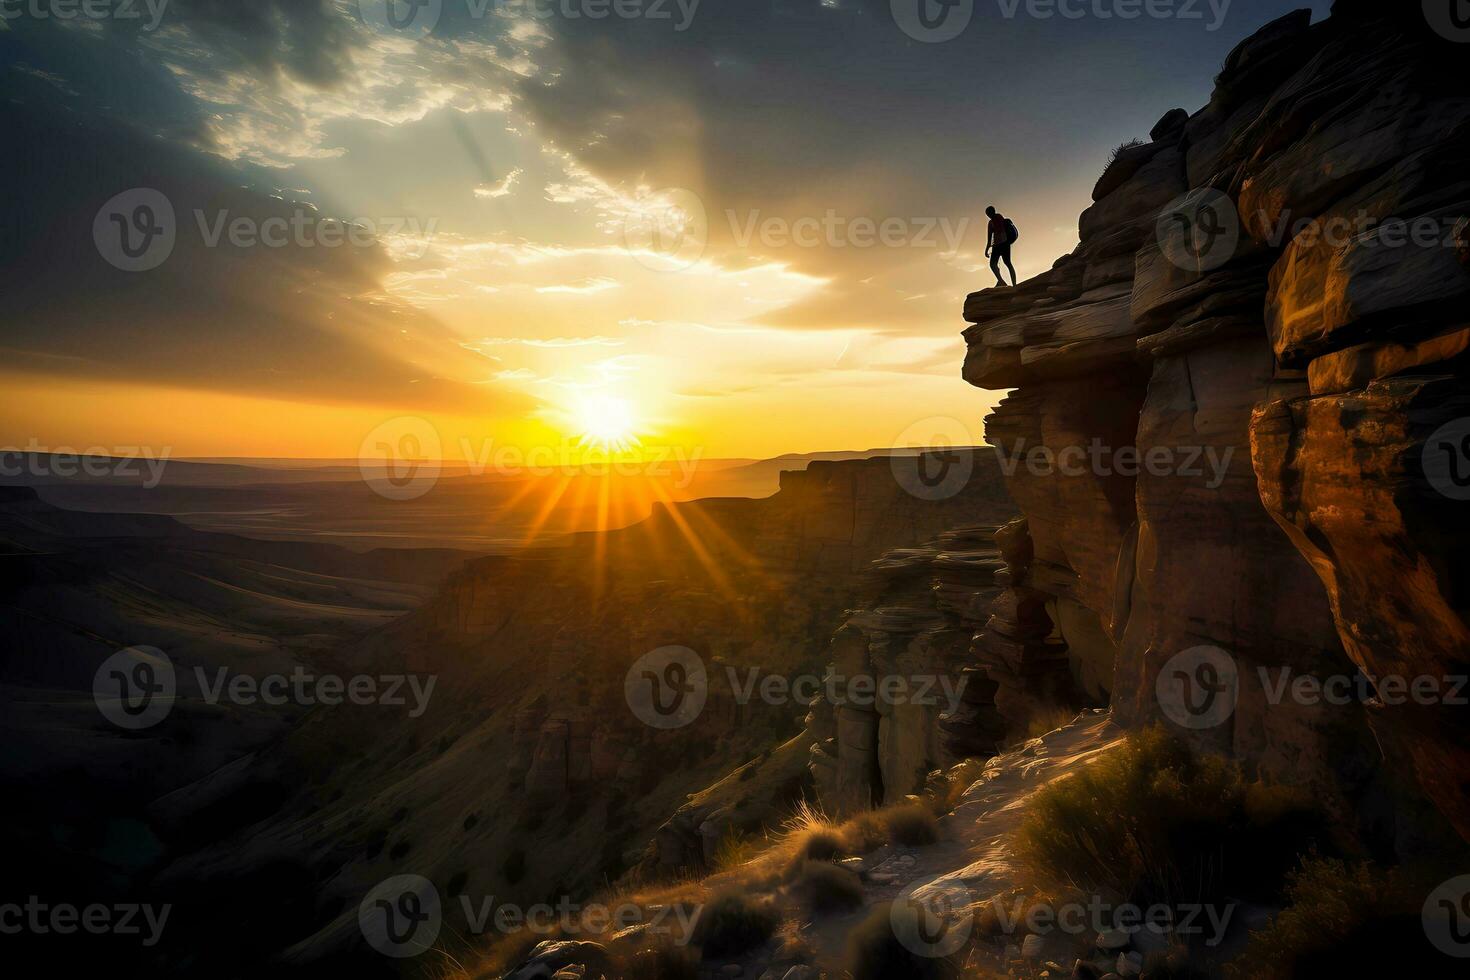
526 285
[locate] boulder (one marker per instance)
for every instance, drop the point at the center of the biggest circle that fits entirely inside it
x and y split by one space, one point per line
550 959
1170 127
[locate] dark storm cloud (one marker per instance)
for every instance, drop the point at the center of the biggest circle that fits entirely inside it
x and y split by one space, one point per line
308 40
293 321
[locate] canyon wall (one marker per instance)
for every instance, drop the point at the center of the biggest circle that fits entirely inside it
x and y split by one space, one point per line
1238 408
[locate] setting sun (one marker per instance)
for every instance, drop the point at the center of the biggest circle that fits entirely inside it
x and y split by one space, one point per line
606 422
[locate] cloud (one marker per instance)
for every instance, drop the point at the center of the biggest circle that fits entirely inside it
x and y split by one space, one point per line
552 342
585 287
500 188
273 76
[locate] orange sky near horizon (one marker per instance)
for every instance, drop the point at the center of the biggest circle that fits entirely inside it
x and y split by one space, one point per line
68 415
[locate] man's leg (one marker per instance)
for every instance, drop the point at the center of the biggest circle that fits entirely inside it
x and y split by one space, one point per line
1007 257
995 266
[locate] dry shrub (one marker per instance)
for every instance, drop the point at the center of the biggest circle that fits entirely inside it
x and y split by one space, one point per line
1344 920
1156 823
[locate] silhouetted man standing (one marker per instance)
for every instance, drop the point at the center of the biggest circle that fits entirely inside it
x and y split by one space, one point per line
998 240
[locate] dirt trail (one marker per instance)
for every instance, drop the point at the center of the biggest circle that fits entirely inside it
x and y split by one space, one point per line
974 861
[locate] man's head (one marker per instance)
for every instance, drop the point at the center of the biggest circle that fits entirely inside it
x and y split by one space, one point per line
990 211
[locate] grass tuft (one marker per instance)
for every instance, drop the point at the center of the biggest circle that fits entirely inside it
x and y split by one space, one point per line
733 923
1124 147
874 952
1047 720
810 836
828 888
735 850
913 825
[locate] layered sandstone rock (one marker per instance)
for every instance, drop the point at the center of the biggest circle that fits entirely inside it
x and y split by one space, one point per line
947 619
1021 652
1223 396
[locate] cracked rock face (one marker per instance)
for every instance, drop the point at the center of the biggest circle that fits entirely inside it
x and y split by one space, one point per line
1253 366
871 750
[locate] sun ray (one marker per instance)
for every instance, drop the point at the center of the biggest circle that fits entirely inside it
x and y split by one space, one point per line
599 552
711 567
711 529
548 507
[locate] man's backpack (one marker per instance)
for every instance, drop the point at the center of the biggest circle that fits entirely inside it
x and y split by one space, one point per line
1012 233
